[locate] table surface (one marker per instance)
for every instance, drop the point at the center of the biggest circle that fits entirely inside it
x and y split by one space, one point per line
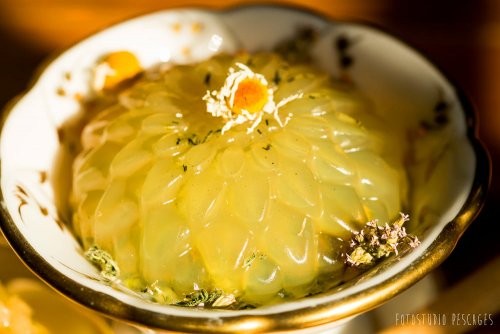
462 37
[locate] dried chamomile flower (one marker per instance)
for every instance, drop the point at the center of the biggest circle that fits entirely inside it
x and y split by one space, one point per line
103 260
374 242
245 97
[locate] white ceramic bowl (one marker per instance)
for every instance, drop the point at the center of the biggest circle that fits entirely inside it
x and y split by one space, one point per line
395 77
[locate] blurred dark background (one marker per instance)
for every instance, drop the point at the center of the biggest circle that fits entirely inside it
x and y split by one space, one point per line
462 37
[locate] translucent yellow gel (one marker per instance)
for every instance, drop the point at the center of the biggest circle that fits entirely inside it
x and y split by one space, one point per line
259 215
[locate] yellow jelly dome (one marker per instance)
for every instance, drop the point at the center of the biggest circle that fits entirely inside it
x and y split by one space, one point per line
259 209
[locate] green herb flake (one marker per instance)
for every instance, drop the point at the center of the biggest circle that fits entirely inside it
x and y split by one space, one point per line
210 132
195 298
249 260
267 147
193 140
104 261
203 298
184 168
277 77
207 79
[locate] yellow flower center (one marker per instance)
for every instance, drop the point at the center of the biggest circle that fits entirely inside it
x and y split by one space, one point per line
251 95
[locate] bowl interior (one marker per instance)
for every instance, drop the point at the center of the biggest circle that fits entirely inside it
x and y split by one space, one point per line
399 82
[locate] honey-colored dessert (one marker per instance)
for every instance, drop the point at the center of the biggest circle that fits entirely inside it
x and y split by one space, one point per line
241 174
